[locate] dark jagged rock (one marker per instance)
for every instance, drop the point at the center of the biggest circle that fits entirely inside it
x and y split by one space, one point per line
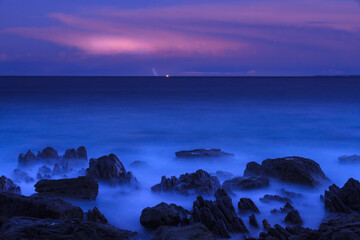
12 205
27 159
246 206
199 182
195 231
48 155
44 173
96 216
44 229
253 222
219 216
295 170
164 214
343 199
293 217
57 170
286 209
266 224
245 183
349 159
203 153
74 158
110 170
289 194
21 176
222 175
77 188
277 198
7 185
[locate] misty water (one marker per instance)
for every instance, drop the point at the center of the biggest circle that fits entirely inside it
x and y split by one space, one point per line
150 119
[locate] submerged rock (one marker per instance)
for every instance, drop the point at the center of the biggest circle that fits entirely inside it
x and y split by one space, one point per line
253 222
293 217
246 206
222 175
343 199
96 216
138 164
44 229
203 153
349 159
219 216
48 155
21 176
245 183
164 214
110 170
277 198
295 170
286 209
74 158
7 185
195 231
12 205
199 182
289 194
85 188
44 173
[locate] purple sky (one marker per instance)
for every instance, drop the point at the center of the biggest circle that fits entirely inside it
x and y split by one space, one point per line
243 37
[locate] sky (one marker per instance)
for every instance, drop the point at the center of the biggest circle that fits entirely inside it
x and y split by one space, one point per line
180 37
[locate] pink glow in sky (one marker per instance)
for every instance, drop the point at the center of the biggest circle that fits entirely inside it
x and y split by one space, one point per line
241 36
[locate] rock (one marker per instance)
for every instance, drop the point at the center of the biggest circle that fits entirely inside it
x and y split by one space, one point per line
203 153
199 182
246 206
44 173
110 170
48 155
26 160
286 209
277 198
74 158
164 214
21 176
289 194
253 222
85 188
245 183
195 231
96 216
295 170
224 175
293 217
44 229
57 170
219 216
12 205
266 224
349 159
138 164
7 185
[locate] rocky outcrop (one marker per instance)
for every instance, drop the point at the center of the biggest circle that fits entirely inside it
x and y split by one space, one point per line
44 173
96 216
203 153
293 217
164 214
26 160
245 183
349 159
21 176
7 185
294 170
48 155
276 198
345 199
74 158
253 222
222 175
195 231
286 209
199 182
289 194
44 229
246 206
110 170
219 216
85 188
12 205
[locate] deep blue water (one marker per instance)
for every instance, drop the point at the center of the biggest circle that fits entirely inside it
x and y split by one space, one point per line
148 119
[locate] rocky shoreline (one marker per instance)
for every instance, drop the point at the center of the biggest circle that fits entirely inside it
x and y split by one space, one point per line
47 214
